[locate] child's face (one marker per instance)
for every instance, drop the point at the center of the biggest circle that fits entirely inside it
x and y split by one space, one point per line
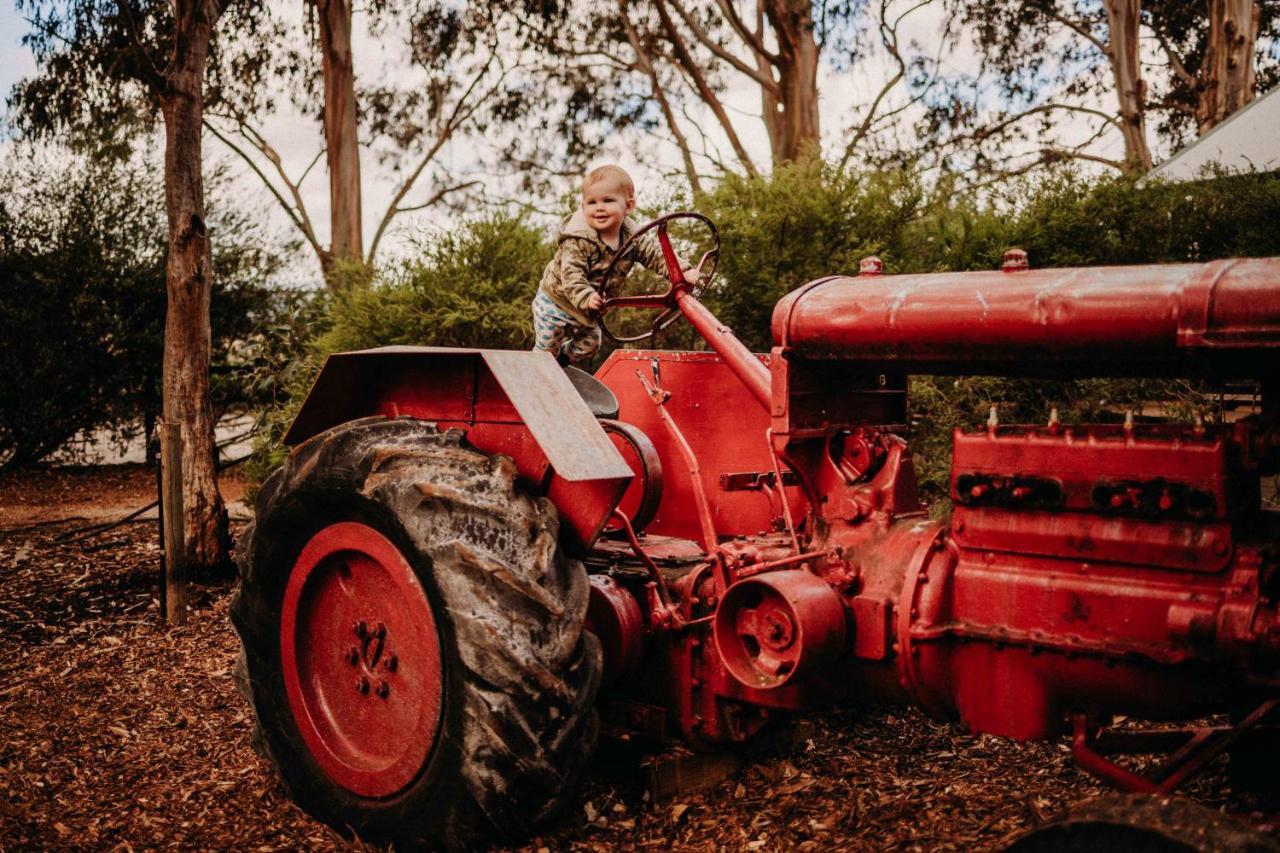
606 205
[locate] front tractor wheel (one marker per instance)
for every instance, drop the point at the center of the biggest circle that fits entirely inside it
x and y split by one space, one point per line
413 638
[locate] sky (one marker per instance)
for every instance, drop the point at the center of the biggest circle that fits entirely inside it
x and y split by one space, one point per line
298 138
15 60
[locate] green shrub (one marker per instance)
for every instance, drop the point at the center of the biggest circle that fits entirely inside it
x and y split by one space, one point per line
470 287
804 221
807 221
82 299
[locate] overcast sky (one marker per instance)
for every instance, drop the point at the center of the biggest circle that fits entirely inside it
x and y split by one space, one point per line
299 139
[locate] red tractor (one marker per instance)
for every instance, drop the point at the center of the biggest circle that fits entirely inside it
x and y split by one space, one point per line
468 548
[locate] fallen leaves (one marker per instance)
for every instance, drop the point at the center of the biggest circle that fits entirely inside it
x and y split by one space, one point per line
117 732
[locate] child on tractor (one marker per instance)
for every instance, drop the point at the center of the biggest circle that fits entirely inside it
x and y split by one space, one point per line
565 319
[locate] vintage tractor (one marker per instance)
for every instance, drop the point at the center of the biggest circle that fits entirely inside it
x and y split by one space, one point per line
469 549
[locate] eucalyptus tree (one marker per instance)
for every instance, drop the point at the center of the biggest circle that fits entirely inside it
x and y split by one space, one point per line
672 67
446 76
1220 55
1060 77
104 66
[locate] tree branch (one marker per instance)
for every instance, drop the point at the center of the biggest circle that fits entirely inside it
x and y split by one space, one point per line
1175 61
753 40
642 60
1081 29
765 81
438 196
710 152
311 165
153 75
889 38
1049 155
705 92
299 218
457 117
988 132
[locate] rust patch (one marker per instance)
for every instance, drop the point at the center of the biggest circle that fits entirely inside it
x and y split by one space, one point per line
1078 611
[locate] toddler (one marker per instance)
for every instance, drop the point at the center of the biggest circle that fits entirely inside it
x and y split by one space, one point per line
564 320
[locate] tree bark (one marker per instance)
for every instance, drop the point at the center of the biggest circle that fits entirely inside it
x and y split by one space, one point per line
796 113
1124 17
1227 76
341 141
187 339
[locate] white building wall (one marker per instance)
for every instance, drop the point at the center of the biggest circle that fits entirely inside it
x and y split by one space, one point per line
1247 141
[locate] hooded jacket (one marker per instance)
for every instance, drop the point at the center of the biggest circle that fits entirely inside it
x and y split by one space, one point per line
577 270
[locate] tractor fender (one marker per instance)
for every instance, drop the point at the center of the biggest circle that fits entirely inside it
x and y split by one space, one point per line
516 403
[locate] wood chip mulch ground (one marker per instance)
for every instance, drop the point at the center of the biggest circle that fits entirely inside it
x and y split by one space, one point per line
119 732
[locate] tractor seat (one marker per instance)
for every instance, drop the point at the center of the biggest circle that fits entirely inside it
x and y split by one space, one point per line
599 398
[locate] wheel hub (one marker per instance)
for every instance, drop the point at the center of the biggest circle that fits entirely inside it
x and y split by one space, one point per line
361 660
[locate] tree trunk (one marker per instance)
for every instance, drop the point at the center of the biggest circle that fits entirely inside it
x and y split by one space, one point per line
1227 75
1124 17
793 121
341 141
187 339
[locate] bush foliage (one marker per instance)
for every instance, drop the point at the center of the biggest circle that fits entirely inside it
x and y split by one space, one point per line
808 221
472 286
467 287
82 300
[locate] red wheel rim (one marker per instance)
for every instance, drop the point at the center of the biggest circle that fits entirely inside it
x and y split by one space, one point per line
361 660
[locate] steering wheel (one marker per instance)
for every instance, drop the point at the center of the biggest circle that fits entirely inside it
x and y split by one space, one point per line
664 303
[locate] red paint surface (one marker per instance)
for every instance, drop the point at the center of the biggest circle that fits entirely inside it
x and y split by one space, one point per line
1086 571
722 423
1089 570
519 404
366 702
1170 319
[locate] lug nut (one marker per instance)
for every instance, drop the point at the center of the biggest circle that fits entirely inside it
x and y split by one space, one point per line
362 684
383 689
392 663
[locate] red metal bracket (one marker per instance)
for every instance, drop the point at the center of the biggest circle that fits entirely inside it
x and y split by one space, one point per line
1191 750
710 540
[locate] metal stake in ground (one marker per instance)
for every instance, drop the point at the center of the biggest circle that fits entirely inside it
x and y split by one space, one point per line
175 576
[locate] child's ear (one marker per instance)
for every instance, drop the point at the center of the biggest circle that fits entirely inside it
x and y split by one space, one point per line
631 203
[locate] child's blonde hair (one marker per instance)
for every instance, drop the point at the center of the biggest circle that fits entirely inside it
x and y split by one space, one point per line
609 173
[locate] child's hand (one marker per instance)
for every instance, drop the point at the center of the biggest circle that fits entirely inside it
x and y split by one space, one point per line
594 301
693 276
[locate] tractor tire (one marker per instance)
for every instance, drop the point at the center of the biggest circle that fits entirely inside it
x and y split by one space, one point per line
413 639
1251 764
1142 823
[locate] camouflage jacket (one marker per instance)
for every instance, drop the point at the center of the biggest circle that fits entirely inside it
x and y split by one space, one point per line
581 258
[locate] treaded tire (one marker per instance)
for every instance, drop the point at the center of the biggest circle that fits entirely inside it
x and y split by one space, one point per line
1142 823
518 723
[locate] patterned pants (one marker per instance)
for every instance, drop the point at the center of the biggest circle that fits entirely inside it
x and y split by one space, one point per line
559 334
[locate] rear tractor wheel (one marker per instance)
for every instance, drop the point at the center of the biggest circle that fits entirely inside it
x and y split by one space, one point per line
413 638
1142 823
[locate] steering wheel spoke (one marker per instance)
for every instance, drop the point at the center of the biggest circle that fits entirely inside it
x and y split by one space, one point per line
666 318
665 303
675 273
